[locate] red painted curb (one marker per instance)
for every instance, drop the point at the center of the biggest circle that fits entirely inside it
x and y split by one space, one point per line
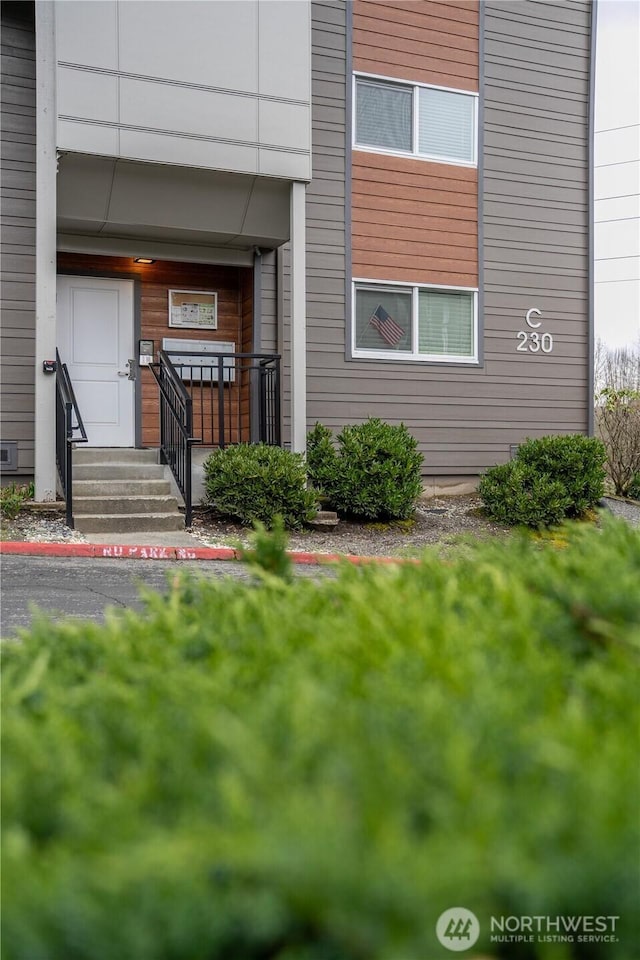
302 556
48 549
125 551
207 553
299 556
119 551
382 560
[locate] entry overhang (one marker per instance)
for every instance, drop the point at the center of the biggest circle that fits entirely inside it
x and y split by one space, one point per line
121 201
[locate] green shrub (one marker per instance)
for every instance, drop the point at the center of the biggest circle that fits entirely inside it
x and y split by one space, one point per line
634 487
576 461
323 463
515 493
373 475
268 551
548 480
319 770
12 498
252 482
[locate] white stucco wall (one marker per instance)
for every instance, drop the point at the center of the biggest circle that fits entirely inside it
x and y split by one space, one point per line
218 84
617 173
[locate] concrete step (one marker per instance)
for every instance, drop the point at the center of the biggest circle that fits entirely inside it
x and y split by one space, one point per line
118 471
324 520
121 505
110 455
129 522
121 488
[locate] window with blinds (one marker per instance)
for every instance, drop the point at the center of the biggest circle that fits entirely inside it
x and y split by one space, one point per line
384 116
445 323
446 124
416 119
411 322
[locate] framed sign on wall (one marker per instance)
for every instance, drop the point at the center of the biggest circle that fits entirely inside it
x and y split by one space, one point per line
193 309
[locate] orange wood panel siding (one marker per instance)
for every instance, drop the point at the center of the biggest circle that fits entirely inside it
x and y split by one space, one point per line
415 220
423 41
156 281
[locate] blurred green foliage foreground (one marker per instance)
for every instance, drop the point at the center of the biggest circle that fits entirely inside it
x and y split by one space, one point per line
312 771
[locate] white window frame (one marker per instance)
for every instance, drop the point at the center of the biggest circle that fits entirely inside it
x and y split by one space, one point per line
415 87
411 356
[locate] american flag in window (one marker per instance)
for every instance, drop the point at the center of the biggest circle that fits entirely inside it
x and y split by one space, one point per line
391 332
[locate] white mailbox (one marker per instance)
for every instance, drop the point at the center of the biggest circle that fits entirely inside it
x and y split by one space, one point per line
202 368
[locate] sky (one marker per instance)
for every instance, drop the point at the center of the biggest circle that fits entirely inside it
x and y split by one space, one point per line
617 173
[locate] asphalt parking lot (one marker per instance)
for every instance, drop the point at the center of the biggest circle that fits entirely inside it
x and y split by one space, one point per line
84 587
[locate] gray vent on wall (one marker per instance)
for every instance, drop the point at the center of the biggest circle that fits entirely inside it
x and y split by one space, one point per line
513 449
8 456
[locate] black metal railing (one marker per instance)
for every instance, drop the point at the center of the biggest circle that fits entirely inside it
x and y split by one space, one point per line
69 430
216 400
176 427
223 388
269 401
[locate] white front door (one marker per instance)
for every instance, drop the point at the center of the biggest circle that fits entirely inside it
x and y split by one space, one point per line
95 340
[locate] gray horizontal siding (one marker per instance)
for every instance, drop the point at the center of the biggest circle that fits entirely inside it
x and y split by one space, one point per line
17 201
534 210
325 206
535 207
269 329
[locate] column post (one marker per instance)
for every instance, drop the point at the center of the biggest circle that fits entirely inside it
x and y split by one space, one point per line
46 169
298 319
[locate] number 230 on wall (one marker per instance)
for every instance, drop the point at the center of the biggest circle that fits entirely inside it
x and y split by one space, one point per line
533 341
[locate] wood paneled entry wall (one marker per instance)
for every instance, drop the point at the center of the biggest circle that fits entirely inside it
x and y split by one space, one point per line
233 285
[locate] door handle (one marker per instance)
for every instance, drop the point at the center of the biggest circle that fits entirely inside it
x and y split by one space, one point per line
131 372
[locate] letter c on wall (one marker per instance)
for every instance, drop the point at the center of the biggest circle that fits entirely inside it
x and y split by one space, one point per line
533 323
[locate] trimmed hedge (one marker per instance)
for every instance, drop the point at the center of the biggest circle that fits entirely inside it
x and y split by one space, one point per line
549 479
319 770
515 493
257 482
374 474
576 461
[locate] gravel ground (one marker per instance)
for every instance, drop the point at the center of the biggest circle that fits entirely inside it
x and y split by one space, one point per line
439 520
629 509
38 526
